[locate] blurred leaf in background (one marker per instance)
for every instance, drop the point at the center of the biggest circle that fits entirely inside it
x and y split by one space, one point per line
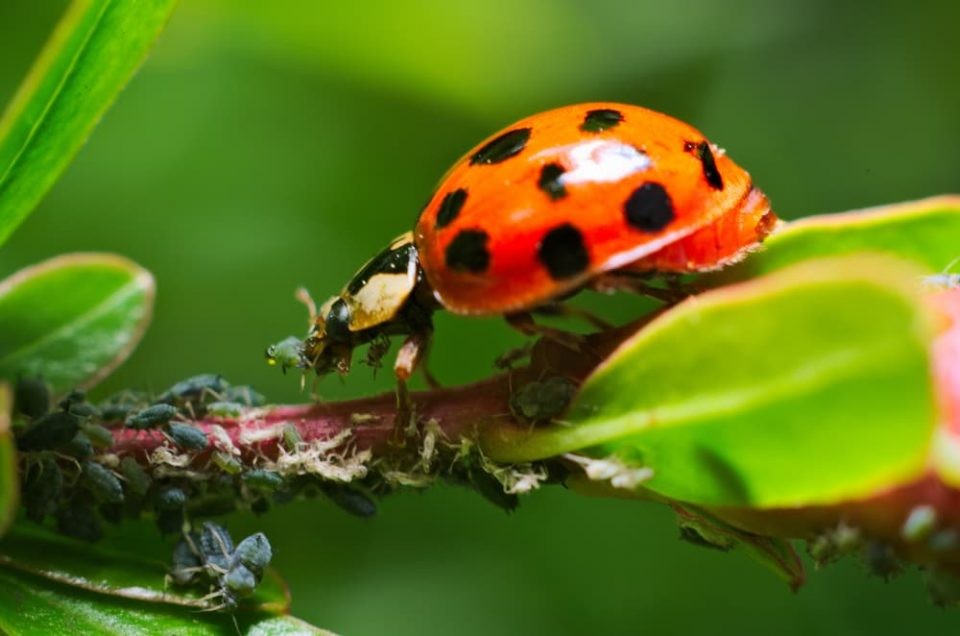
268 145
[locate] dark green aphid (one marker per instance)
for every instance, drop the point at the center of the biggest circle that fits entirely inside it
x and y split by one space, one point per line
260 506
187 436
100 436
170 521
171 498
119 406
216 546
225 409
288 354
49 432
76 403
544 400
212 505
79 447
102 482
186 563
138 481
492 490
227 462
881 561
41 489
80 522
192 388
351 500
240 581
260 479
32 397
254 552
151 417
244 395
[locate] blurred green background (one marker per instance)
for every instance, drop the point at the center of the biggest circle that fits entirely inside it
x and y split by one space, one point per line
269 145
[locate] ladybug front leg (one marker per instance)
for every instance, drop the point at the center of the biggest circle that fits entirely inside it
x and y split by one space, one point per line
525 324
412 354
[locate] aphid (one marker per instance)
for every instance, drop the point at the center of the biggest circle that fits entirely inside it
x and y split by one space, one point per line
587 196
119 406
216 546
290 437
79 521
350 500
187 436
99 436
287 354
76 403
543 400
244 395
79 447
151 417
230 410
240 581
227 462
919 524
42 488
261 479
32 396
138 481
171 498
186 562
100 481
254 552
50 431
196 387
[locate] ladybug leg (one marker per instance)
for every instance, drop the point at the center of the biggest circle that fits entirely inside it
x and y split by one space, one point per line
525 324
412 353
566 311
673 291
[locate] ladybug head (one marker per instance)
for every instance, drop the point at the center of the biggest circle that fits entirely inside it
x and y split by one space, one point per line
372 305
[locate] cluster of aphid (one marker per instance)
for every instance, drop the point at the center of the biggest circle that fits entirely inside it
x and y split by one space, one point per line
210 558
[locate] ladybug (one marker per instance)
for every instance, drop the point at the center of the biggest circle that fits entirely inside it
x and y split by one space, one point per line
594 195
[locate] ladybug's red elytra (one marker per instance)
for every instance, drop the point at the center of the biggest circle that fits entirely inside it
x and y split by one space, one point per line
589 195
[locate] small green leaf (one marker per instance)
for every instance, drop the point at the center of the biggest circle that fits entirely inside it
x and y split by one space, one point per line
926 232
809 385
9 481
73 319
91 55
31 605
96 568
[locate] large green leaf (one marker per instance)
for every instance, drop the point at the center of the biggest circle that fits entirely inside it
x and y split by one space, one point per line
51 584
9 482
73 319
809 385
31 605
926 232
88 59
118 573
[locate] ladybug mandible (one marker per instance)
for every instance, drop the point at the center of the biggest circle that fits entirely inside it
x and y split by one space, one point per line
591 195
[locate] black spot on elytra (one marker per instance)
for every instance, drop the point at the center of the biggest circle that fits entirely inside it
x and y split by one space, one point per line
563 252
550 181
450 207
649 208
467 252
709 164
502 148
389 261
601 119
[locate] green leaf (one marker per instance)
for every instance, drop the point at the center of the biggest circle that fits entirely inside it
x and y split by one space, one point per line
119 573
809 385
32 605
90 56
73 319
9 480
926 232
